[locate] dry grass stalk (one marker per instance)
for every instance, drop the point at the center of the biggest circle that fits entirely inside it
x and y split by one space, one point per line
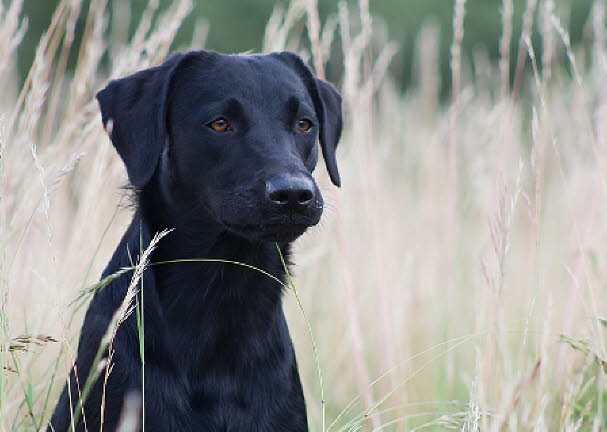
427 66
412 336
456 48
20 343
130 420
126 307
12 30
547 39
522 56
505 47
314 34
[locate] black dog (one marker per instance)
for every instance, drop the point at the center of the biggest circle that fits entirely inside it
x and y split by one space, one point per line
219 148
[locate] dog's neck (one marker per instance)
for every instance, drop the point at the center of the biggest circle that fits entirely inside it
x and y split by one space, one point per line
225 297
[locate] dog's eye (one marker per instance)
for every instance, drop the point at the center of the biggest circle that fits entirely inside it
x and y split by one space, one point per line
304 125
219 125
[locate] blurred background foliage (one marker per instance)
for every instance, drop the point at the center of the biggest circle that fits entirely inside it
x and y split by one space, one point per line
238 25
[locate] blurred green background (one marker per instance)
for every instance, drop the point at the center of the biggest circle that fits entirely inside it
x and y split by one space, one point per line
238 25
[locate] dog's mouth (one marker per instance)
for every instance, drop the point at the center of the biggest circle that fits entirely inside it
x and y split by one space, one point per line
270 232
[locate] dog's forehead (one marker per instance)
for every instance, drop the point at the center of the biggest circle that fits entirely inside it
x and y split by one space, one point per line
256 78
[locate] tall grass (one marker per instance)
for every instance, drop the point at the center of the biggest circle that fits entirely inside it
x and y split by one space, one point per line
458 278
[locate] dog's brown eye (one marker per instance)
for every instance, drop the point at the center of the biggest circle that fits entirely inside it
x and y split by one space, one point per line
304 125
220 125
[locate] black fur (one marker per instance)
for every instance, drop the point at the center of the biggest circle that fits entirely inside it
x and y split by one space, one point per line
218 355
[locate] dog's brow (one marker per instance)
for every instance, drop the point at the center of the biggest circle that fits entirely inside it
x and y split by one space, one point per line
293 105
232 107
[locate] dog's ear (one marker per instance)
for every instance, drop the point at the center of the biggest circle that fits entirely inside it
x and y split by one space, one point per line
327 104
133 111
331 124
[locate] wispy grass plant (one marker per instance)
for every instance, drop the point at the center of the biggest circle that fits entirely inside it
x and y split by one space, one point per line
458 279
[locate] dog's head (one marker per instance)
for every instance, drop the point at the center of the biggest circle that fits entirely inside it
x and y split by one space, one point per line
235 134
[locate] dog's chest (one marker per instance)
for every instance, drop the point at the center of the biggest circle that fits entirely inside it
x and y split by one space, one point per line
223 378
219 402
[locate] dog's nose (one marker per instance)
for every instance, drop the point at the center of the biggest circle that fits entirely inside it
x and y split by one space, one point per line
293 192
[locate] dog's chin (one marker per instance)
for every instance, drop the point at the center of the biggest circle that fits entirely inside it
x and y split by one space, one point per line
280 233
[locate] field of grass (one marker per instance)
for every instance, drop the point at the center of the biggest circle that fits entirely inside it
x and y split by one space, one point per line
458 280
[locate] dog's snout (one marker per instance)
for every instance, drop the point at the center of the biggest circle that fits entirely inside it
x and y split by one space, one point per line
290 191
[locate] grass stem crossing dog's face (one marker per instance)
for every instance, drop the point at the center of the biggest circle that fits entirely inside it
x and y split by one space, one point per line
235 135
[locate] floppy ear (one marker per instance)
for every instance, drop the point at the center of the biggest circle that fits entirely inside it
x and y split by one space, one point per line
133 111
331 124
327 104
